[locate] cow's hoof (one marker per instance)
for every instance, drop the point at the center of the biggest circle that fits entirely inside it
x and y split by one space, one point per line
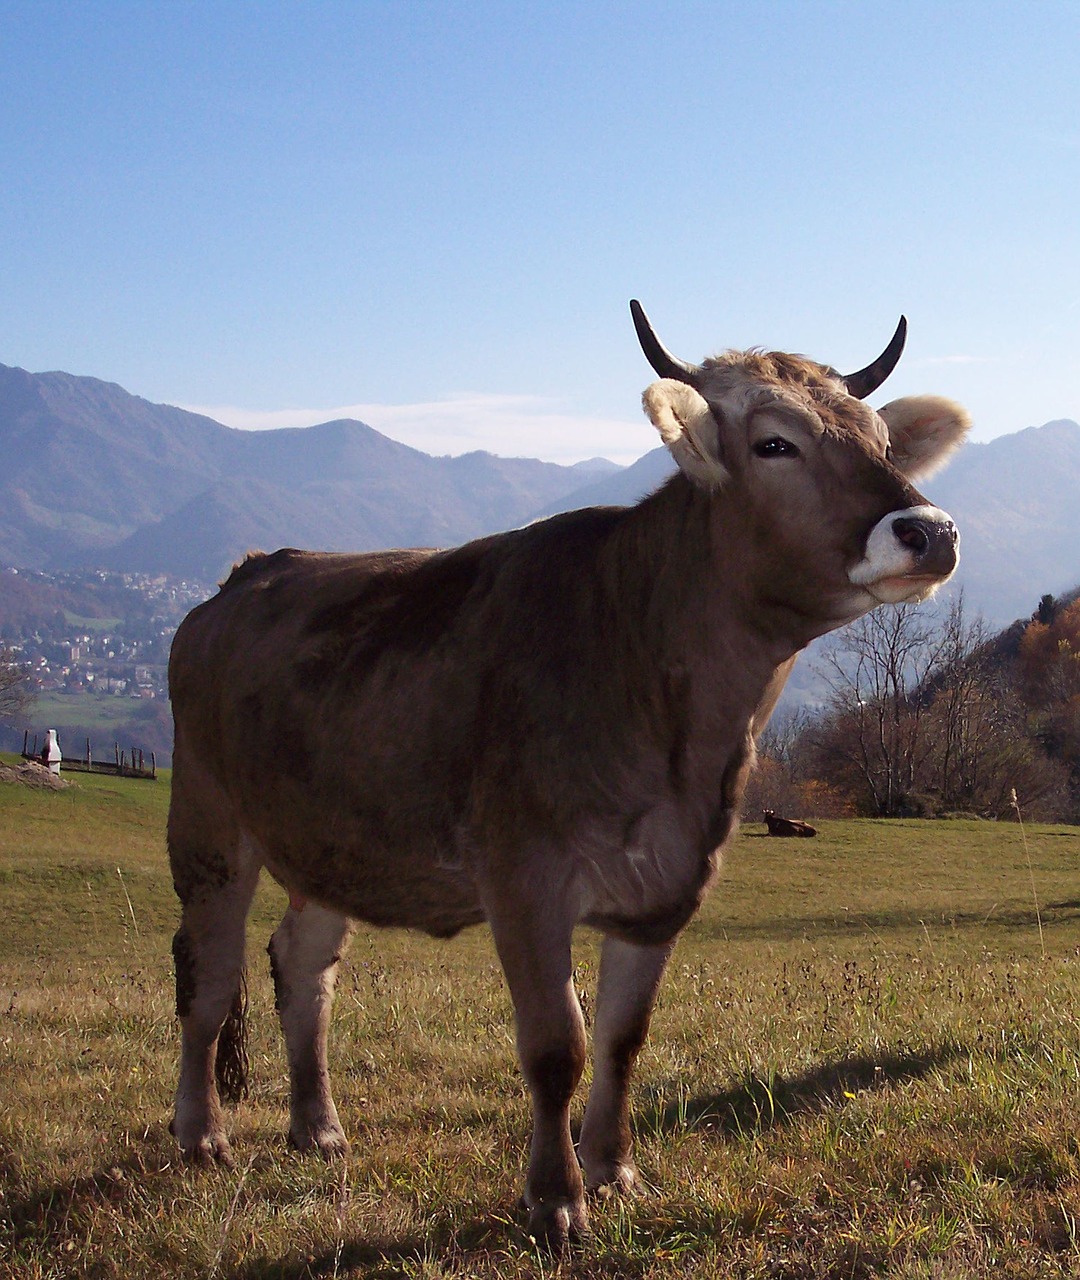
328 1140
203 1147
211 1150
556 1226
616 1180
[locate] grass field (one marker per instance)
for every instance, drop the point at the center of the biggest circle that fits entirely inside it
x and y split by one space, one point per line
99 625
865 1062
102 715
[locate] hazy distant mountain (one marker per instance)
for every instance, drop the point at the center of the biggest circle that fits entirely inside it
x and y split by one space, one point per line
621 488
91 475
95 476
85 464
1017 502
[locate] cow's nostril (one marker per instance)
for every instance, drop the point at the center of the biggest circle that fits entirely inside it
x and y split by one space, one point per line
914 534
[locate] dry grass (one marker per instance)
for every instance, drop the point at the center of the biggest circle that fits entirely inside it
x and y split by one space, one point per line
862 1065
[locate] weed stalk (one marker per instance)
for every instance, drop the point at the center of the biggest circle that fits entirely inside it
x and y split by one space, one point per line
131 909
1031 870
226 1225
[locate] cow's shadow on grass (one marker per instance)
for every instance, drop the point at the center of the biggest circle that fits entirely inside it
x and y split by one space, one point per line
47 1212
761 1101
386 1259
755 1105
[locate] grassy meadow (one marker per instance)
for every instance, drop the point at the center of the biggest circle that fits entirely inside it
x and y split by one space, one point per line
101 715
865 1062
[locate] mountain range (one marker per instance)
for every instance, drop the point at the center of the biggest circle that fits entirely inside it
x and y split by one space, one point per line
91 475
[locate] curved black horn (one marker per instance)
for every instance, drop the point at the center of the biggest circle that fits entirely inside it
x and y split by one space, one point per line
867 380
661 359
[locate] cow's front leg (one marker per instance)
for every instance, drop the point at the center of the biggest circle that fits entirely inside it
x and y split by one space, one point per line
629 979
534 947
304 955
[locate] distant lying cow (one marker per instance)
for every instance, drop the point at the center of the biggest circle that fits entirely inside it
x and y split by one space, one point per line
545 728
786 826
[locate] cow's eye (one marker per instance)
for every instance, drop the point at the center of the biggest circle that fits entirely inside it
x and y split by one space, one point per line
776 447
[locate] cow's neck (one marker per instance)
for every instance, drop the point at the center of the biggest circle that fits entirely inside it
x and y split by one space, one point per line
689 630
702 598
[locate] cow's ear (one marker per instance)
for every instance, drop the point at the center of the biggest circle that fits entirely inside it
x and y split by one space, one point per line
924 431
689 430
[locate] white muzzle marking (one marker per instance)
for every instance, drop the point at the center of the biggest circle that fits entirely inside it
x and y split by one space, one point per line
890 569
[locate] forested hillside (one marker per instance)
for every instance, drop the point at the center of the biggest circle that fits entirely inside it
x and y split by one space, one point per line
931 714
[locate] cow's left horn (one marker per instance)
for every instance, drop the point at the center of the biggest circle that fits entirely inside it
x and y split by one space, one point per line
661 359
867 380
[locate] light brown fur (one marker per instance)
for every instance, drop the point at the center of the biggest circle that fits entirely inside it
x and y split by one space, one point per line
548 727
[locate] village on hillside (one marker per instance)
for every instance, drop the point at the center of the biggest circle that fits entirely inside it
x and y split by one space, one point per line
122 654
96 645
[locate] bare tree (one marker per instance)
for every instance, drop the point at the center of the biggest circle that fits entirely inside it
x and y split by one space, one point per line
925 717
774 782
16 691
874 732
781 740
978 726
784 778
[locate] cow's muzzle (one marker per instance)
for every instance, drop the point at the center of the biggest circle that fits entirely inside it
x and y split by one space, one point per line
908 555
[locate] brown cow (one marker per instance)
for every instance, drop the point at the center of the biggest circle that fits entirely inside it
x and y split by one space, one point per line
544 728
786 826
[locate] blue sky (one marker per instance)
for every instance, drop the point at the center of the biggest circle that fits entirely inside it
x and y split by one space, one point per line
431 216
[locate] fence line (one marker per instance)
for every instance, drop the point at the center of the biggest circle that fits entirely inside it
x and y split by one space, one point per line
124 764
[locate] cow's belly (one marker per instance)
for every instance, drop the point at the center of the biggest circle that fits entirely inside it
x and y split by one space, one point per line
388 888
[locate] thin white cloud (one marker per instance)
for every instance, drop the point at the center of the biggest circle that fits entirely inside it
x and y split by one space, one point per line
511 426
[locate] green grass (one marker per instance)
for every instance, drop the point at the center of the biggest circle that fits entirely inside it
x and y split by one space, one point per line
100 625
865 1062
99 713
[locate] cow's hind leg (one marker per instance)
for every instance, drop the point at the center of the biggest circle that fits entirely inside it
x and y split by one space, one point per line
629 979
215 885
304 955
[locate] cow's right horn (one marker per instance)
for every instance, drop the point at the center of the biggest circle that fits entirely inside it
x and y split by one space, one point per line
867 380
661 359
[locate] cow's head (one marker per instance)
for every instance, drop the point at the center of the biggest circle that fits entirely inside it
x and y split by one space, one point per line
819 483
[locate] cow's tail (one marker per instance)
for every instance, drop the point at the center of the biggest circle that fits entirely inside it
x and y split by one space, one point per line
231 1065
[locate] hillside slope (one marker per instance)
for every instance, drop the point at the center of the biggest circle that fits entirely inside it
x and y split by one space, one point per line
96 476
